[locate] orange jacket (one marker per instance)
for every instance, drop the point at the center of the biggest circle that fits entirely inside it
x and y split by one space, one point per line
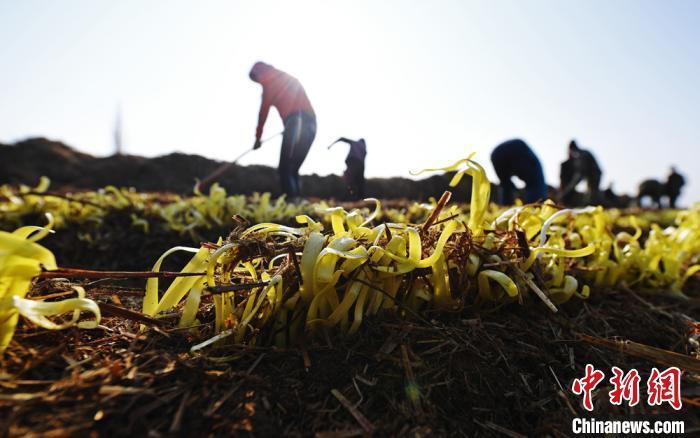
280 90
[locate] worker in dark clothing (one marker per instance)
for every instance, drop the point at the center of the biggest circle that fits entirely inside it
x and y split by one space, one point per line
581 165
515 158
354 175
285 93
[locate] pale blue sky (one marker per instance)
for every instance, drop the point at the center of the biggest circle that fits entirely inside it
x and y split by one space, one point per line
423 82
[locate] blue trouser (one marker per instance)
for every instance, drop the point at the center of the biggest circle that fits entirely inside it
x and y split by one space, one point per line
299 133
515 158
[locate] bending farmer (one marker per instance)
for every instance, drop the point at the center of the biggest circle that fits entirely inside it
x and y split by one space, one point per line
285 93
515 158
354 175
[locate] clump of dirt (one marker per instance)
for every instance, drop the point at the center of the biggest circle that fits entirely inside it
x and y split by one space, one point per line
26 161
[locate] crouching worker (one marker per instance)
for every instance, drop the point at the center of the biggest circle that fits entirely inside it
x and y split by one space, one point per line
285 93
354 175
515 158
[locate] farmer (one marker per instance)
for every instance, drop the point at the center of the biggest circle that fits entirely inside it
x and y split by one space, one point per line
515 158
285 93
354 175
581 165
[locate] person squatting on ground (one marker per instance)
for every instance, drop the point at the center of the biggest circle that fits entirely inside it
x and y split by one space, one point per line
285 93
354 175
515 158
581 165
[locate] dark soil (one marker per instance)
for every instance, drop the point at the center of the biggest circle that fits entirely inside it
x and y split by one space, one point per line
484 371
26 161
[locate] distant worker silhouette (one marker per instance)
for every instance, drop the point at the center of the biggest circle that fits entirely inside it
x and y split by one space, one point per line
285 93
656 190
354 175
515 158
581 165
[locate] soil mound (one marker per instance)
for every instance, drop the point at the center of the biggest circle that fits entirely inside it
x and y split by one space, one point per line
26 161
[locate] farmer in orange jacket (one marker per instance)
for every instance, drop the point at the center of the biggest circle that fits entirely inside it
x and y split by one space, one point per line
285 93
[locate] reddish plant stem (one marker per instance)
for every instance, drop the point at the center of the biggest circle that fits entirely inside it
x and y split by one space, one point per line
86 273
